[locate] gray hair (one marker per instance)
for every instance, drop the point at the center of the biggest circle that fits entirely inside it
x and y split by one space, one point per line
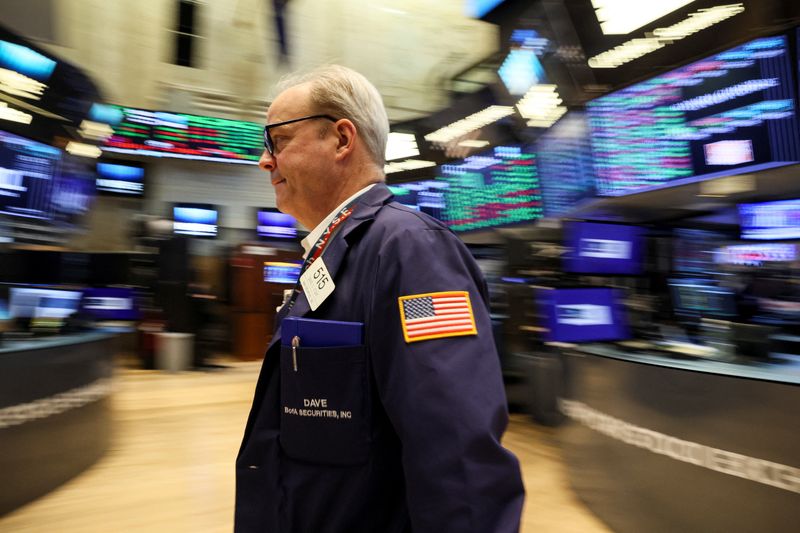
344 93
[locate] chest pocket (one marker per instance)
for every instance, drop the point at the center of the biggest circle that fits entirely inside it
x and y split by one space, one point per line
324 407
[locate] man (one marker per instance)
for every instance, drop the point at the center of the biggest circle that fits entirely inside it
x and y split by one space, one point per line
399 431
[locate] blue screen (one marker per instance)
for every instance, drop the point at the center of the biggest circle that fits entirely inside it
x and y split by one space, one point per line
770 220
275 225
479 8
280 272
110 303
27 171
583 315
30 302
195 220
603 248
120 179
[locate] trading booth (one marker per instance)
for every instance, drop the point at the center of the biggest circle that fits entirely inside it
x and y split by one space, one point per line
673 308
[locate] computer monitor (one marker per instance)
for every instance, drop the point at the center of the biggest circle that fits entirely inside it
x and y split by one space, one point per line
700 297
31 303
27 172
281 272
583 315
272 224
770 220
116 178
196 220
596 248
110 303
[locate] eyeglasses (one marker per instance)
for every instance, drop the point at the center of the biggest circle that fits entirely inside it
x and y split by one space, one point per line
270 146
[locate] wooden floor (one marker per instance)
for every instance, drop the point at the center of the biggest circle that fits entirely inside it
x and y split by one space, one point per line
170 468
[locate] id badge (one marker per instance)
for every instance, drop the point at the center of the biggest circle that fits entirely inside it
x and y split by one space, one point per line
317 283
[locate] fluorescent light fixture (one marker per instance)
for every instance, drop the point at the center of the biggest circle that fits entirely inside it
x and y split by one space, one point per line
12 82
95 130
541 106
83 149
401 146
620 17
471 123
473 143
660 37
14 115
410 164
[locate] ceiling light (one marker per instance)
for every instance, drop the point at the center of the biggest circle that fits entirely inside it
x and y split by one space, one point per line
660 37
469 124
541 106
410 164
401 145
473 143
95 130
12 82
83 149
620 17
14 115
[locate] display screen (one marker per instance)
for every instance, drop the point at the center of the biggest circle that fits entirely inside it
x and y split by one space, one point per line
603 248
272 224
164 134
491 189
565 164
770 220
30 302
127 180
693 250
281 272
197 220
701 297
755 254
74 188
110 303
583 315
727 113
427 196
27 170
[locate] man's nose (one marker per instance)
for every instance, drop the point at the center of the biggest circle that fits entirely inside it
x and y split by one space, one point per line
267 161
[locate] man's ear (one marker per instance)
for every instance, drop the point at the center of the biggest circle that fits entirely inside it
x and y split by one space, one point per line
346 136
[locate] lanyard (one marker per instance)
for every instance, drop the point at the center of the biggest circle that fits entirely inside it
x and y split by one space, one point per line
319 247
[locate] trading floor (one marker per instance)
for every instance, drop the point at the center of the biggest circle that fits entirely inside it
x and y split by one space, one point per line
170 467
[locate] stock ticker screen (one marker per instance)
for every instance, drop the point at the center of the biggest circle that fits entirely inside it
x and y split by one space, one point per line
495 188
164 134
732 111
565 164
27 171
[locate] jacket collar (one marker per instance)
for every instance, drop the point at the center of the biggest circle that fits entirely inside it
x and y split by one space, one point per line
366 208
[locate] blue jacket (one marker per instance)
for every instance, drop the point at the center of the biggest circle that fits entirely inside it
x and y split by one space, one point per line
418 448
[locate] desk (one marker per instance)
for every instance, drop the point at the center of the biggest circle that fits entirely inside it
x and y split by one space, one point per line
659 444
55 416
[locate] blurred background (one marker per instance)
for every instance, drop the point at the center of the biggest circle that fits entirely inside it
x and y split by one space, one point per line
625 173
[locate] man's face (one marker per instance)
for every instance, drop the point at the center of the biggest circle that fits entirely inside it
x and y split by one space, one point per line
302 158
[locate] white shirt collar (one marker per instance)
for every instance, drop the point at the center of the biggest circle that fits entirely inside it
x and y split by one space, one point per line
316 233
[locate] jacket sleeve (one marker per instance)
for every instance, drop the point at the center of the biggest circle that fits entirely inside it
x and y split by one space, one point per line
443 396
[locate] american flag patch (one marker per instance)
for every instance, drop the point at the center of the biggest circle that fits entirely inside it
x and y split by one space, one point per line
436 315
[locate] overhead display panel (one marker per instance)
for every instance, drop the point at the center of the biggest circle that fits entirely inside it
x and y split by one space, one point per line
164 134
730 113
492 189
496 188
565 165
